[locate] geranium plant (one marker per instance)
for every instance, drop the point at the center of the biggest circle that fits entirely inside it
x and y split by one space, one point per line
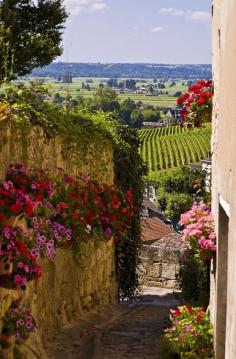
88 207
199 229
191 334
23 192
33 182
197 103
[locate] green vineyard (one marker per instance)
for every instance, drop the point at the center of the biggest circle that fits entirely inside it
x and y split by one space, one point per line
174 146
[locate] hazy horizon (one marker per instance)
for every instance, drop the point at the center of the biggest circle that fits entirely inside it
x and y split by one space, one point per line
131 63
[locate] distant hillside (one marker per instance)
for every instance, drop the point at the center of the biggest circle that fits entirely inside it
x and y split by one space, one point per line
126 70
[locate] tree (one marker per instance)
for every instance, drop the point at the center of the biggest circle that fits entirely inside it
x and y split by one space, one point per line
112 83
126 108
151 115
161 85
130 84
137 119
105 99
30 35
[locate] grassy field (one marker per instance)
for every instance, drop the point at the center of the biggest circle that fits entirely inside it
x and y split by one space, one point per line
75 89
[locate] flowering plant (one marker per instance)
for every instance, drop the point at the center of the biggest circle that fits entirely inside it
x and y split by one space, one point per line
197 103
16 249
18 322
30 181
199 229
47 235
88 207
191 334
22 191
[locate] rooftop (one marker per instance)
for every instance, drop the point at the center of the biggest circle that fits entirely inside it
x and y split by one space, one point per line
154 229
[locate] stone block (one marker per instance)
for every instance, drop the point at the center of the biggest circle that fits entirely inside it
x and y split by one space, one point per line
155 270
169 270
171 284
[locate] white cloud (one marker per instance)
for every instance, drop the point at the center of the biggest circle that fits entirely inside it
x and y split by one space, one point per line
77 7
157 29
172 11
200 15
190 14
98 6
135 28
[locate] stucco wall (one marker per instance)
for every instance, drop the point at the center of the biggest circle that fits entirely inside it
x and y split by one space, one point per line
66 290
224 173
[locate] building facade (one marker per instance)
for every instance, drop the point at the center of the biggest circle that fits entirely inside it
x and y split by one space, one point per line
223 290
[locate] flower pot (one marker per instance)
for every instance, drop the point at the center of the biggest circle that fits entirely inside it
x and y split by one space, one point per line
7 341
7 281
6 266
206 254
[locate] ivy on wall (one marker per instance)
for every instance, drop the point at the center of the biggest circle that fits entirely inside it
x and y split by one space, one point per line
129 172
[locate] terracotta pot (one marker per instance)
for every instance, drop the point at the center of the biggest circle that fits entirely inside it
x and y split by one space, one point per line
6 266
206 254
7 341
7 281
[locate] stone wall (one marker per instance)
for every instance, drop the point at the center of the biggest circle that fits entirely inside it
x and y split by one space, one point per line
161 262
67 290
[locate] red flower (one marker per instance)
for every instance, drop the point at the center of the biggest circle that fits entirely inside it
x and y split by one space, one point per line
2 202
176 313
180 101
16 208
200 101
39 197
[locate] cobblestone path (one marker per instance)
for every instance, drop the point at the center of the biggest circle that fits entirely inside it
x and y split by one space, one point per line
122 333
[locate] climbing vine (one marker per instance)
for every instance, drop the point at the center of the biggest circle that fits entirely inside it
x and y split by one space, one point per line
130 171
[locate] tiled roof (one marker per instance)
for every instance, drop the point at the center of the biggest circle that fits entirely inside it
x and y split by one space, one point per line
154 229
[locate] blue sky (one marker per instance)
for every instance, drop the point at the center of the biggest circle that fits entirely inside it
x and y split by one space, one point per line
159 31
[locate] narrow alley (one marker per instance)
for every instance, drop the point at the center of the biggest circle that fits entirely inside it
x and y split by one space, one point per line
119 332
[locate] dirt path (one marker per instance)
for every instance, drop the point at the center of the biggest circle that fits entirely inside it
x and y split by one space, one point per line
118 332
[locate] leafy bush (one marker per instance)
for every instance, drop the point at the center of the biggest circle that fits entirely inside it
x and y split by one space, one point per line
177 189
191 334
195 280
177 203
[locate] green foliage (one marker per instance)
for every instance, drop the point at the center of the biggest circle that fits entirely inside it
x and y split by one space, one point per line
194 280
191 334
30 35
174 146
105 100
177 188
129 170
127 107
177 204
179 180
151 115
